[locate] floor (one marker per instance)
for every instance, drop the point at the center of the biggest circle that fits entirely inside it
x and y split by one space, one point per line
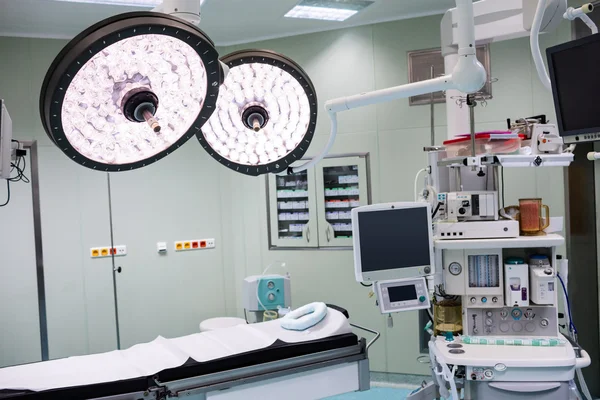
386 386
376 393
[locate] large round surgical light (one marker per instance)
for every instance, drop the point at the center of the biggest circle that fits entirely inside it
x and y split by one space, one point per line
130 90
266 114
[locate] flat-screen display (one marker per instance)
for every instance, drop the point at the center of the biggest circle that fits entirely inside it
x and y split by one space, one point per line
576 86
396 238
402 293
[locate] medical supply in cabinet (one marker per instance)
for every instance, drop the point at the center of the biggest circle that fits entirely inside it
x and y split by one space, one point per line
312 209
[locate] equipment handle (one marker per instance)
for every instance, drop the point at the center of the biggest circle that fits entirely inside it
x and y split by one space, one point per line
547 223
307 233
584 361
525 387
377 334
328 233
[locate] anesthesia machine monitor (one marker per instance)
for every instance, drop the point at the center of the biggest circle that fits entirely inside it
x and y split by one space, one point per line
574 65
392 241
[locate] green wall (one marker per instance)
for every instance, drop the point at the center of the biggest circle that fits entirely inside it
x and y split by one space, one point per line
188 195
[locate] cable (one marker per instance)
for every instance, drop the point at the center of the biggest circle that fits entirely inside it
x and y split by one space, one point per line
573 334
365 285
439 291
416 182
572 327
436 210
584 388
8 195
20 177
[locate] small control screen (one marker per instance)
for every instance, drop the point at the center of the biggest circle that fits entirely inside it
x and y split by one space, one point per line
402 293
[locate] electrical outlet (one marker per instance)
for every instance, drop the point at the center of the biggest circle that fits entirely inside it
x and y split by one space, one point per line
103 252
195 244
121 251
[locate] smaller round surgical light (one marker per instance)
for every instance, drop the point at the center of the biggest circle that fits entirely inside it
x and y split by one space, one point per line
265 115
129 90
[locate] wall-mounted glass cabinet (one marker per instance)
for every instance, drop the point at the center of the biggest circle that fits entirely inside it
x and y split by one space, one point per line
312 209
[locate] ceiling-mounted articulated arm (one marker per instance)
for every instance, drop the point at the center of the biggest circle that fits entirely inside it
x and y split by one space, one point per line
534 41
468 76
188 10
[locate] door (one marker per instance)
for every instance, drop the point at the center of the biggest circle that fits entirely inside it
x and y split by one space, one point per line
168 201
342 184
292 210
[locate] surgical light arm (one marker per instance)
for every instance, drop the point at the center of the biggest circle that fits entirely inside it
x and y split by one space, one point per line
188 10
496 20
468 76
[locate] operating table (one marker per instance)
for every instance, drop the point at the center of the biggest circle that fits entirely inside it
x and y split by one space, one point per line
307 365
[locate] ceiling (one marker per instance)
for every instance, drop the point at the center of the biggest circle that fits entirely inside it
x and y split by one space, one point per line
227 22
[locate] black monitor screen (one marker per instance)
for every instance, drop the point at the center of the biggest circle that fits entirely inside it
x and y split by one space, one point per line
402 293
391 239
574 69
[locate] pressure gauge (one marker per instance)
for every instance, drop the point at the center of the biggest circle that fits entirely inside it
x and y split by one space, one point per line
455 268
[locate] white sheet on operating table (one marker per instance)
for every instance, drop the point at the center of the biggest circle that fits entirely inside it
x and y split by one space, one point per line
150 358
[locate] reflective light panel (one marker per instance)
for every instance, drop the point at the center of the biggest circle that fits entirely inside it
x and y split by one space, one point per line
328 14
136 92
330 10
266 114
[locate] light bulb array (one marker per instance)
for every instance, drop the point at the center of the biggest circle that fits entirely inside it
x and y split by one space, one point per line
279 94
273 83
88 87
135 87
92 115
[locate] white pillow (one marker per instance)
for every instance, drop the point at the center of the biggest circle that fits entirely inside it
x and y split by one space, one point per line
304 317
